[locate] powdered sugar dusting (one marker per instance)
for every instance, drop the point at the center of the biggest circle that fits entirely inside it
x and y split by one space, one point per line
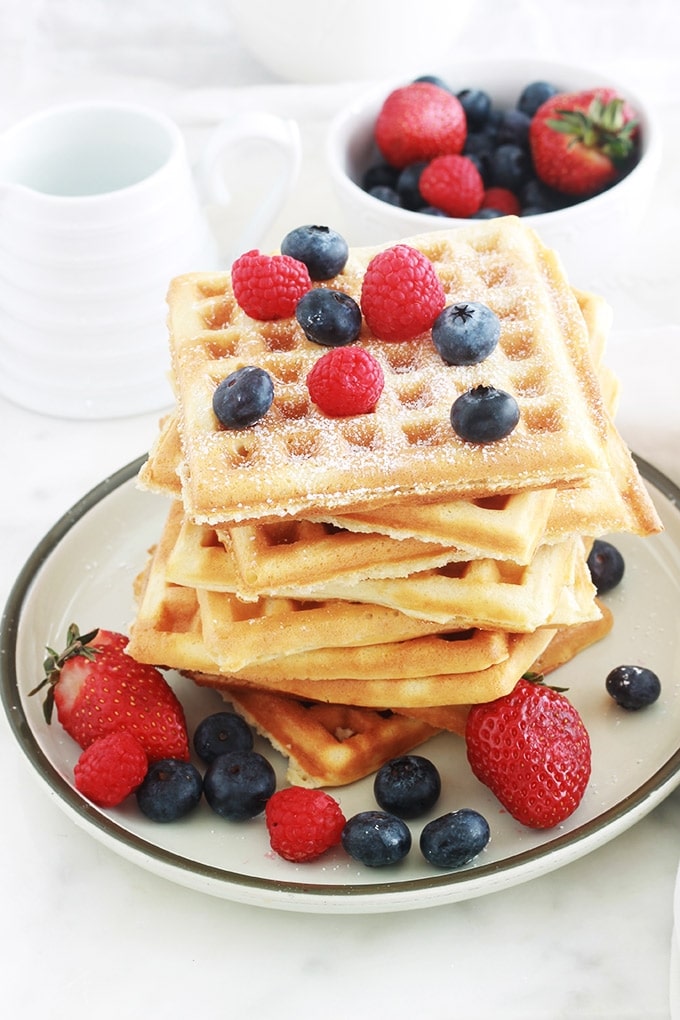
298 460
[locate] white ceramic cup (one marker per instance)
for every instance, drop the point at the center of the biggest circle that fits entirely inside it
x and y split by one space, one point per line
99 209
589 236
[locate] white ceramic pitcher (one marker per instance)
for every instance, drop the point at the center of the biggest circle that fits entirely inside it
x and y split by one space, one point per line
99 209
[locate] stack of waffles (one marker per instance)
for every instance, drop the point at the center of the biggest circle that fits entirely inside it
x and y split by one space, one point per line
351 585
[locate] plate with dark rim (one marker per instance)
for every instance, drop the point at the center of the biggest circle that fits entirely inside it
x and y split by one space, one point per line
83 571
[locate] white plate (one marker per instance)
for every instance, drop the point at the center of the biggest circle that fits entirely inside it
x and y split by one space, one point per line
83 571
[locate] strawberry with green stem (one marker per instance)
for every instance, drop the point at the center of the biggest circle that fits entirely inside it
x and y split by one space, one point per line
97 689
583 142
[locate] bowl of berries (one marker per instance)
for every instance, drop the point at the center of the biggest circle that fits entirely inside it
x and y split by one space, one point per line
574 152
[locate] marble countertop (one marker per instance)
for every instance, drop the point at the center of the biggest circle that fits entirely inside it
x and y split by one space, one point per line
83 931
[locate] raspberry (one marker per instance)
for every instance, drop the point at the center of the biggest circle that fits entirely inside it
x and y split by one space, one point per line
111 768
303 823
346 381
401 295
454 185
501 199
269 286
419 121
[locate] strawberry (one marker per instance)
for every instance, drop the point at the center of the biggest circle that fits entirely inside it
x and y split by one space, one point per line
98 689
532 750
582 142
419 121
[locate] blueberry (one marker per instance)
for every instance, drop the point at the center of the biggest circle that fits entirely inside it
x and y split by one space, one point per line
329 317
380 175
323 251
510 166
222 732
487 214
633 687
534 95
466 333
480 143
514 128
170 790
376 838
408 186
243 397
484 414
481 161
237 785
433 79
407 786
535 192
477 106
385 194
606 565
454 839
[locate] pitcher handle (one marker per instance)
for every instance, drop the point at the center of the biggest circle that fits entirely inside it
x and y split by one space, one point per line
230 139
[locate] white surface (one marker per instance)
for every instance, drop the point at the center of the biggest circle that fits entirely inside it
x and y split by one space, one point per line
592 940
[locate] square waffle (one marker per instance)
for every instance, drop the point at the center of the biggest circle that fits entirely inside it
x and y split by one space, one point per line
483 593
296 461
327 745
487 593
172 599
400 692
503 526
273 556
168 630
353 585
508 526
566 643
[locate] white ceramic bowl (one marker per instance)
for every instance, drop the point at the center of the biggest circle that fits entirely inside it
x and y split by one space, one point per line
587 235
344 40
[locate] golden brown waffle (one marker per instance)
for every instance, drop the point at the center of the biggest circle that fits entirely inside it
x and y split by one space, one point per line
353 585
615 501
240 633
171 636
504 527
168 631
460 651
501 527
277 556
489 594
492 594
271 557
512 527
327 745
161 472
566 644
332 745
296 461
452 655
399 692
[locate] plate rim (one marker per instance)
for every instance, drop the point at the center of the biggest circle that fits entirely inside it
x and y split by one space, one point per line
292 894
